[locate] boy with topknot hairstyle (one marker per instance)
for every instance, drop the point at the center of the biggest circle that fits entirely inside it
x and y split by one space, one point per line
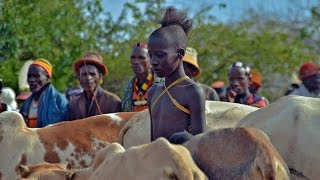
176 107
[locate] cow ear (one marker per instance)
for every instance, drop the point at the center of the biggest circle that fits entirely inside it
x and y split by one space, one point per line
24 169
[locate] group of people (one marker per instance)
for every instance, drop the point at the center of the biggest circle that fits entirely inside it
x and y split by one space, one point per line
163 82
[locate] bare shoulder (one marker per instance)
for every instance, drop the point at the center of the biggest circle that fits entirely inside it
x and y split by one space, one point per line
194 88
152 89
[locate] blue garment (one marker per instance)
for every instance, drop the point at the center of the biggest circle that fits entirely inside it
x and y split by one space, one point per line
52 107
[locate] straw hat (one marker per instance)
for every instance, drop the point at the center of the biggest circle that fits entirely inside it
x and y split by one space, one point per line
191 58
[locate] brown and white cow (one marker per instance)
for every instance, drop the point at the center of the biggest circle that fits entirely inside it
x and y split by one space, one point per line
237 153
72 141
218 115
293 124
156 160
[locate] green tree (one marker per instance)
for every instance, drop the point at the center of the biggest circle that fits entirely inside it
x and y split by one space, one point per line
57 30
62 31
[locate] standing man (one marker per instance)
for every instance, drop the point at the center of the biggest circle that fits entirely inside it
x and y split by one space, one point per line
93 100
192 69
46 105
135 92
177 107
309 74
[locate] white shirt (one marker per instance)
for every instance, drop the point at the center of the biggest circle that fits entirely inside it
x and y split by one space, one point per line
303 91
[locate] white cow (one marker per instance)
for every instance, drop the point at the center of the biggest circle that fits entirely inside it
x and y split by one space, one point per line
218 115
293 125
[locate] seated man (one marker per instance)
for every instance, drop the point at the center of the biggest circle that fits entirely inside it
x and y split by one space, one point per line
46 105
238 91
192 69
309 74
93 100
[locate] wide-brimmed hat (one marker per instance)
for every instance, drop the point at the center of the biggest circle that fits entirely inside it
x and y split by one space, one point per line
308 69
93 60
191 58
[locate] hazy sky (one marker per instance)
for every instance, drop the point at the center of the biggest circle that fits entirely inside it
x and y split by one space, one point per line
234 8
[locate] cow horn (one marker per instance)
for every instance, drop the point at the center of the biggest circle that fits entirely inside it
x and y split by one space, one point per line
24 168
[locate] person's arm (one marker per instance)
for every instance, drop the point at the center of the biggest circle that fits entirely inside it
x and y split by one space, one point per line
196 106
149 95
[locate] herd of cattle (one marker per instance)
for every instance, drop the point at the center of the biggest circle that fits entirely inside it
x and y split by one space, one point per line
281 141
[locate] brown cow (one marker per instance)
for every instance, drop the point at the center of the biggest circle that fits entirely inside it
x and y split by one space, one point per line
156 160
73 141
218 115
292 124
240 153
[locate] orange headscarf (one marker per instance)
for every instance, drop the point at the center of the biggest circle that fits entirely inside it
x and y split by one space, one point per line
256 77
45 65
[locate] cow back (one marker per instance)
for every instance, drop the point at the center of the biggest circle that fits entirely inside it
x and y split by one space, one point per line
293 124
240 153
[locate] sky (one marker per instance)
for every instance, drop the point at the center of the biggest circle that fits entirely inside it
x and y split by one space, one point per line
234 10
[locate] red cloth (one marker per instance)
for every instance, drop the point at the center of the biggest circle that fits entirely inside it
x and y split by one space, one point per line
308 69
254 99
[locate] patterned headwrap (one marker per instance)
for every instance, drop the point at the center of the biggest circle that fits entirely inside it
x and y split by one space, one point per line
140 44
246 68
45 64
191 58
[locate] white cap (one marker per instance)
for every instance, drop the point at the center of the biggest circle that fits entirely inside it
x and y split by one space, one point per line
8 97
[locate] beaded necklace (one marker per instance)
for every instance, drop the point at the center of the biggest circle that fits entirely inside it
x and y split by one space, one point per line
139 95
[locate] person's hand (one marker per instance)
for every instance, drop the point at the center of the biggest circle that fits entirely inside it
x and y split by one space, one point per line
231 94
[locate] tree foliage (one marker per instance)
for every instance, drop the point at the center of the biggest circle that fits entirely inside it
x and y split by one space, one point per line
57 30
62 31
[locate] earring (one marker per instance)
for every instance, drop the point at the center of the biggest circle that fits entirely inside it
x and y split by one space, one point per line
101 81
